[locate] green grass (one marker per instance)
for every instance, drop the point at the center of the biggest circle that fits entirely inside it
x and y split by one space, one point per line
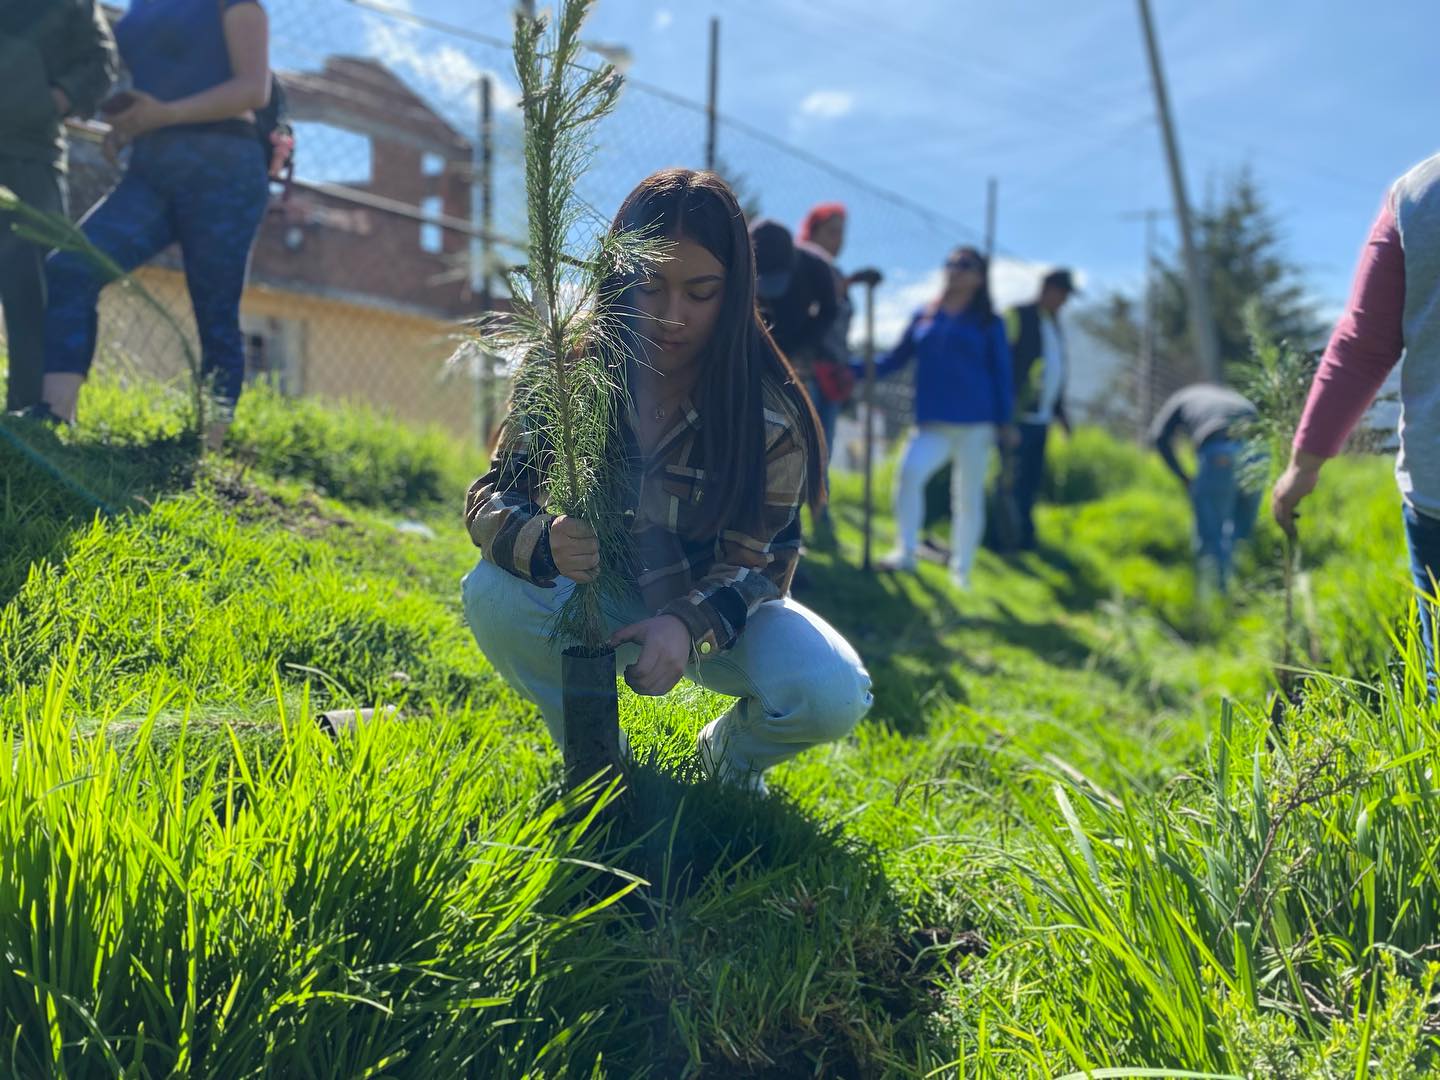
1053 846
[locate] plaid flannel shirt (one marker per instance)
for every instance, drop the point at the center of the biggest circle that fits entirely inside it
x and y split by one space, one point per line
711 583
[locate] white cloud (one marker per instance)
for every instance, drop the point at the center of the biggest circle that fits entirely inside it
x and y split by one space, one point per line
663 18
827 104
446 74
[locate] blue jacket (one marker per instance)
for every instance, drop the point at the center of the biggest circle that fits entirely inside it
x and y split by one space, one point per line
962 368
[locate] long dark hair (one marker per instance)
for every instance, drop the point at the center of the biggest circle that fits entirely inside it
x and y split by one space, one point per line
981 307
740 356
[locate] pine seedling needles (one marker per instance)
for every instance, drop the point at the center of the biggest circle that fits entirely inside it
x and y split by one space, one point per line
565 332
1277 383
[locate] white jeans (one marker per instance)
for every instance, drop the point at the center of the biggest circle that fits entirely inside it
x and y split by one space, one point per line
799 683
967 448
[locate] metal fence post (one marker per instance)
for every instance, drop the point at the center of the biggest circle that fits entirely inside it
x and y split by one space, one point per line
482 250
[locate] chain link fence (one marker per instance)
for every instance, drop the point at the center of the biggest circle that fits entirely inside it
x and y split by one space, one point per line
409 202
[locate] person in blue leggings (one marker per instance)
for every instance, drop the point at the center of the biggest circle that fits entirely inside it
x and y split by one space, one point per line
197 176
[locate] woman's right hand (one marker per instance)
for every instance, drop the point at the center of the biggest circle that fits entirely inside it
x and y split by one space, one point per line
575 549
1294 484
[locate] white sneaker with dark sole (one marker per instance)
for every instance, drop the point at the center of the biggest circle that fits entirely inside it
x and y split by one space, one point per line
717 766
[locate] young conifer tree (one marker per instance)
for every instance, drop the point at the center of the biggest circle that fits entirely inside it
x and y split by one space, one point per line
1277 383
564 329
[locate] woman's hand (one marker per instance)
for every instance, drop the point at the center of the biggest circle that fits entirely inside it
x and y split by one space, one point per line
1297 481
143 115
574 549
664 651
1009 437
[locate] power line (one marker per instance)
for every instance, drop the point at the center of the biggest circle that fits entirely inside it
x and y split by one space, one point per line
673 98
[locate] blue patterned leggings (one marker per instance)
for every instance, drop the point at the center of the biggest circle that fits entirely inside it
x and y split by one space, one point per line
205 190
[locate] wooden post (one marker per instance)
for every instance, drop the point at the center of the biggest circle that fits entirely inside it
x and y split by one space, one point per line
992 197
712 102
1202 319
482 250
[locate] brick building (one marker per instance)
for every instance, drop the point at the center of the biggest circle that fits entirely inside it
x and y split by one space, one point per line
357 287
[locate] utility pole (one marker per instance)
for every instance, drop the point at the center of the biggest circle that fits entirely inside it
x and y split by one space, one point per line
712 101
991 196
1202 320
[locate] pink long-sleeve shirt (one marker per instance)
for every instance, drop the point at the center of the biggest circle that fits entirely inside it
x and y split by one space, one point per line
1366 344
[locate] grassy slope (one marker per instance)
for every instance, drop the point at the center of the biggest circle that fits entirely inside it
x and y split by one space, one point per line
916 899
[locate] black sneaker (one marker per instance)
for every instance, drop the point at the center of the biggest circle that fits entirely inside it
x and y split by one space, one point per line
40 413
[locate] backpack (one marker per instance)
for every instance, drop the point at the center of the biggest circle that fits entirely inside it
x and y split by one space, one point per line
273 130
276 134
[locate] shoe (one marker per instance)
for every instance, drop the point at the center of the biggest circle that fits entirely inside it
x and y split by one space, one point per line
897 562
718 767
40 413
960 579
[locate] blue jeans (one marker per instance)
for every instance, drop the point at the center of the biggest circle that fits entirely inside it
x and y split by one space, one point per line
205 190
1225 508
1422 535
799 683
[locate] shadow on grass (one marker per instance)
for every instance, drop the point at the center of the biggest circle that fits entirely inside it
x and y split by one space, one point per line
53 488
895 623
1077 585
752 893
1058 646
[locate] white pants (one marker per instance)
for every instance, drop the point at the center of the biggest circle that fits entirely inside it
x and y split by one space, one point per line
799 683
967 448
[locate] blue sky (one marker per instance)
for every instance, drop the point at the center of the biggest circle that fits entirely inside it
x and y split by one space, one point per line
1325 100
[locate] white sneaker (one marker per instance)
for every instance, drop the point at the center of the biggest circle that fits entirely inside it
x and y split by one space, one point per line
898 562
717 766
960 579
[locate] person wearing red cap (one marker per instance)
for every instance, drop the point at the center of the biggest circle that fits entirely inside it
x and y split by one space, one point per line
831 381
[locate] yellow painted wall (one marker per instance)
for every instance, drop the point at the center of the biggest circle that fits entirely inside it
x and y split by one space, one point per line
393 361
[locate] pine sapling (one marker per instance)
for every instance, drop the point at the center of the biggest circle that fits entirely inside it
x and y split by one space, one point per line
566 337
1277 383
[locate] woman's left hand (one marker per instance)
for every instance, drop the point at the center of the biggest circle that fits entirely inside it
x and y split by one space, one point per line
664 651
144 114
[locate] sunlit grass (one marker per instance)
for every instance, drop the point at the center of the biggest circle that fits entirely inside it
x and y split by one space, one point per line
1050 848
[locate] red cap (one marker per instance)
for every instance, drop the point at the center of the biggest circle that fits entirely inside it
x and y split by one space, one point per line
818 216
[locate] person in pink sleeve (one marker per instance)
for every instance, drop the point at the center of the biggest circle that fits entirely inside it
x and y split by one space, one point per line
1393 312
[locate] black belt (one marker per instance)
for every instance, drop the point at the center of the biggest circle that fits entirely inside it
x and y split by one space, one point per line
245 129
